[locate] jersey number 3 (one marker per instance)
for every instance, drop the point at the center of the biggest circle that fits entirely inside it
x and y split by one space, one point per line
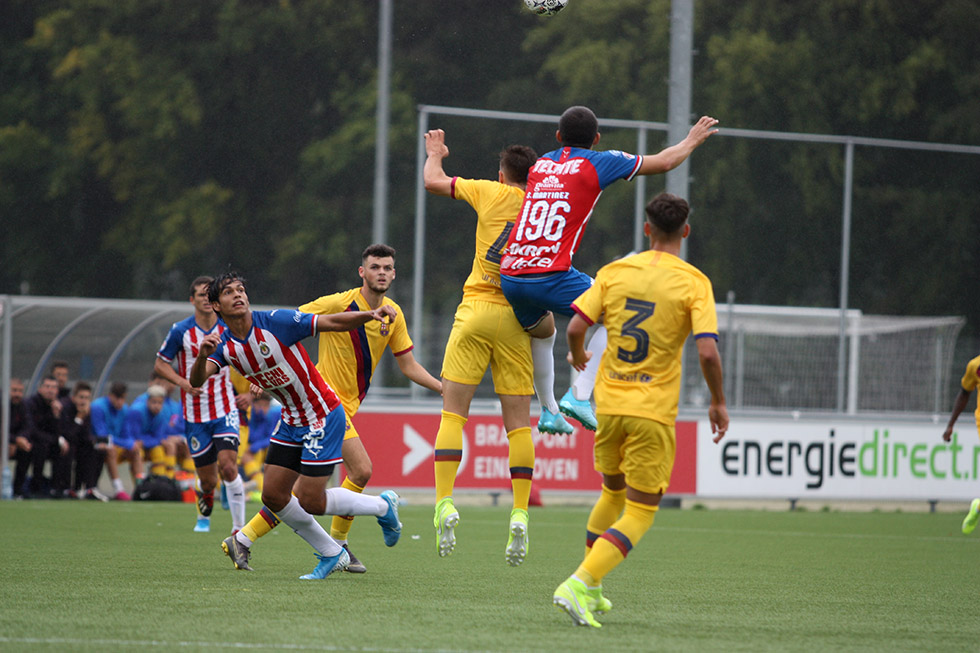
631 329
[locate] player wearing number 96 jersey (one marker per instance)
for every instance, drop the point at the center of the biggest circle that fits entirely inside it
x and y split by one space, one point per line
536 270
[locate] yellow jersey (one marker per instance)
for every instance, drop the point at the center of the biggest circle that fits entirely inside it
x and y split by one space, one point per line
651 302
346 359
497 206
971 379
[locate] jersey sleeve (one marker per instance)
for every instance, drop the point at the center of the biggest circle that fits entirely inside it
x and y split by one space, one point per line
704 319
471 191
613 165
100 427
172 344
971 378
220 355
401 342
292 326
589 303
325 305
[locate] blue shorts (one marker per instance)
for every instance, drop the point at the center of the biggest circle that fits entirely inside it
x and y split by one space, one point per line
310 450
206 439
532 295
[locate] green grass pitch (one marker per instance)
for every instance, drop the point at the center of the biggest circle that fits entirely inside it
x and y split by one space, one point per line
84 576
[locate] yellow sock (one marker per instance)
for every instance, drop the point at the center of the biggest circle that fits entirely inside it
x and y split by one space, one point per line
340 526
187 464
263 522
605 512
158 464
612 546
449 452
252 468
521 461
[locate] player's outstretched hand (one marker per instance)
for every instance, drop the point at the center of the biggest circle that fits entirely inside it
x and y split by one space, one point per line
435 143
702 129
384 313
209 345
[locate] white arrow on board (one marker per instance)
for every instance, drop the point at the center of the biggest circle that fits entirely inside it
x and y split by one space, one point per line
419 450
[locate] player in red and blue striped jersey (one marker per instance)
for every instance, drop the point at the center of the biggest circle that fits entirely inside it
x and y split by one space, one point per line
264 347
210 412
536 270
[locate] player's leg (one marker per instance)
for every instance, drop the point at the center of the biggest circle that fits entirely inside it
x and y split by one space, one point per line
357 465
456 398
112 464
511 367
155 456
225 437
576 401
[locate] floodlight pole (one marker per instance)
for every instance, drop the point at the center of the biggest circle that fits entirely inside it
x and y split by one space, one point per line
380 228
845 263
679 94
6 351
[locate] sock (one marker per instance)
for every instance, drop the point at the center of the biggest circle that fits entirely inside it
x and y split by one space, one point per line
585 381
521 461
157 461
170 463
261 524
308 528
449 453
252 468
605 512
340 526
543 355
341 501
117 484
235 491
613 546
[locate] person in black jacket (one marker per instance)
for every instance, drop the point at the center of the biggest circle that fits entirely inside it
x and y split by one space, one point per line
18 440
44 411
76 427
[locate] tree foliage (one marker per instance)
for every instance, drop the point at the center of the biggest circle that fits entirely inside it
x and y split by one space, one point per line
143 142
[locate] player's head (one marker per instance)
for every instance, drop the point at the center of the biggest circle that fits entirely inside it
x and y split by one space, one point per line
199 293
230 289
59 370
117 394
515 163
578 127
16 391
154 399
377 267
48 389
667 217
81 394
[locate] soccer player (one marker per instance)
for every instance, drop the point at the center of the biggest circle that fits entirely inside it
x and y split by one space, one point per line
264 346
485 333
147 422
210 412
651 302
108 416
971 378
537 276
346 361
262 422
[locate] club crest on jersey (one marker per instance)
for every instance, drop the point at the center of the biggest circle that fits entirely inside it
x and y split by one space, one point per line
264 349
384 328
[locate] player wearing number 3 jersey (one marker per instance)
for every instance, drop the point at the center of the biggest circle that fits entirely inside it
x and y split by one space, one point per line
536 270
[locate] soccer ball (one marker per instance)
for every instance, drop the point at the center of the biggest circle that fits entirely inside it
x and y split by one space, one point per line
545 7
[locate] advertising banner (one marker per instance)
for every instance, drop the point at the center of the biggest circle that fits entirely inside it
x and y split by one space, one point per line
401 447
841 460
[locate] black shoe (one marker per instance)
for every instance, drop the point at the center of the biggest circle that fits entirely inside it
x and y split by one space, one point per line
355 566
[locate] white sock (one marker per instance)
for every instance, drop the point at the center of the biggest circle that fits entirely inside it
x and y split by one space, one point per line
543 355
236 502
243 539
341 501
308 528
117 484
585 382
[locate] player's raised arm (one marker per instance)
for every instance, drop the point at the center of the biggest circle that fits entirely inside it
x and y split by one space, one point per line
203 368
671 157
435 178
349 320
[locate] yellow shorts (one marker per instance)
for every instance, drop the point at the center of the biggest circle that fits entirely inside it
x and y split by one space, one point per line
640 448
350 431
485 334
